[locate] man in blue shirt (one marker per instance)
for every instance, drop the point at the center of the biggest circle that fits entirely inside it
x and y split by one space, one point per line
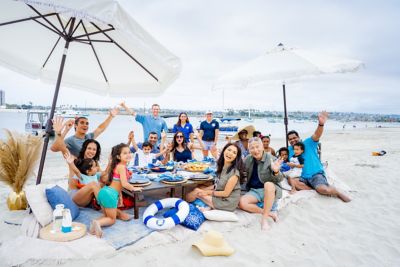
313 174
209 130
150 123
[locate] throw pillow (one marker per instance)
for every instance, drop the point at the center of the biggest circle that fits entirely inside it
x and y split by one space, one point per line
195 218
220 215
57 195
37 200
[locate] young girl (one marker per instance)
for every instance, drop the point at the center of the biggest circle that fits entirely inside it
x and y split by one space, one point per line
181 150
108 195
226 194
85 170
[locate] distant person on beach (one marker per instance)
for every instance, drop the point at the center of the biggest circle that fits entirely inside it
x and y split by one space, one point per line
150 123
108 195
152 139
81 125
296 164
183 125
226 194
266 141
144 156
313 174
257 134
209 130
263 182
242 136
180 150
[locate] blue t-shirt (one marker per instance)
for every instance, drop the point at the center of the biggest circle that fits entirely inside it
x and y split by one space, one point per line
86 179
183 156
152 124
74 144
209 130
186 130
255 179
312 164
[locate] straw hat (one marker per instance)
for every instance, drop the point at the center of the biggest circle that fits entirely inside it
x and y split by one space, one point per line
213 244
249 128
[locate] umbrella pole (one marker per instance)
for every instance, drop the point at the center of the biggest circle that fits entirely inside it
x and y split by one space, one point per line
49 124
285 120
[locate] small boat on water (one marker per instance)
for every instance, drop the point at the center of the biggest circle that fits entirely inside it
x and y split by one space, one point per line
229 124
69 113
36 121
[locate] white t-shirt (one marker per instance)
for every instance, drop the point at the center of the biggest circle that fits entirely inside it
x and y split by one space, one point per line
143 159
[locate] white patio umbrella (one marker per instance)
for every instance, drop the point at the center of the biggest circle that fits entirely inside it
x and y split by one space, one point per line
92 45
284 65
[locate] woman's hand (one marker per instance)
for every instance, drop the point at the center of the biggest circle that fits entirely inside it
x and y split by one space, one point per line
137 189
131 135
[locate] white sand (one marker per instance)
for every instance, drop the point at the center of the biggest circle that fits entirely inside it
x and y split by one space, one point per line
319 231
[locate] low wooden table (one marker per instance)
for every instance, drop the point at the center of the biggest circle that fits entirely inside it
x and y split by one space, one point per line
159 186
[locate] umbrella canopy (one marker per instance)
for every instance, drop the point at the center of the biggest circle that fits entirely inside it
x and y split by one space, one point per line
284 65
108 52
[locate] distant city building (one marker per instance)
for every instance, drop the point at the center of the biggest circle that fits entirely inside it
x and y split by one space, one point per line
2 98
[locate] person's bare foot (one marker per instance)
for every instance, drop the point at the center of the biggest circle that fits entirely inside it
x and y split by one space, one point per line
274 216
123 216
264 224
95 229
343 197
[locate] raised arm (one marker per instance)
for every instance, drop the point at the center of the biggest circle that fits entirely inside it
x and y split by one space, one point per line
322 118
70 160
61 129
103 126
133 141
124 180
130 111
131 135
200 145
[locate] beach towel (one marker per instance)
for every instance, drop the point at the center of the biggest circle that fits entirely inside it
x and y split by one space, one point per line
122 233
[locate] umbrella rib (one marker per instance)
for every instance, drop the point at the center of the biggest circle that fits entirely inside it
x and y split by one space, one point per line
51 52
62 25
95 54
45 19
80 22
92 40
44 25
26 19
92 33
126 52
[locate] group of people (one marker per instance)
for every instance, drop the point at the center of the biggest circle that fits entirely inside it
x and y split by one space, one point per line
248 163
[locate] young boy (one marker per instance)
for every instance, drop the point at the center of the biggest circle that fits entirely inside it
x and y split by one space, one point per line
143 157
296 164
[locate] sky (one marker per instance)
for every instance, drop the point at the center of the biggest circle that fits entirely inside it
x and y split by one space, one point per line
214 37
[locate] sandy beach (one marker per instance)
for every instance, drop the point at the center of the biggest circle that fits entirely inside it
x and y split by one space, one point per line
317 231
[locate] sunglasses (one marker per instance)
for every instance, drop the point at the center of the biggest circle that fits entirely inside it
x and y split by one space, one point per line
179 136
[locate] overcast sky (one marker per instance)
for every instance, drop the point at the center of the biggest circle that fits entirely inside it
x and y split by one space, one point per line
214 37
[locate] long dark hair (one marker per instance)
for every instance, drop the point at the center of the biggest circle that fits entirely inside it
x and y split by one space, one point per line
84 147
115 160
236 164
179 118
175 144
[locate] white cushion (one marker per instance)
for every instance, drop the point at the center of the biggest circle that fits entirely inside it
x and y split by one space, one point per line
37 200
220 215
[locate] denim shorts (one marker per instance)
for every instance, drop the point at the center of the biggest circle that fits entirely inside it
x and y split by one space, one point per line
208 145
315 181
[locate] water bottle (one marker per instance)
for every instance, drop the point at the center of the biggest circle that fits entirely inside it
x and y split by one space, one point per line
66 221
58 217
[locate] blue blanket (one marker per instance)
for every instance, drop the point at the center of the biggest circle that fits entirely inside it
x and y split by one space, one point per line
120 234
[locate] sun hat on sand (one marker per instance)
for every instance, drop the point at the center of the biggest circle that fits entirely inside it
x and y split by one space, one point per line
249 128
213 244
